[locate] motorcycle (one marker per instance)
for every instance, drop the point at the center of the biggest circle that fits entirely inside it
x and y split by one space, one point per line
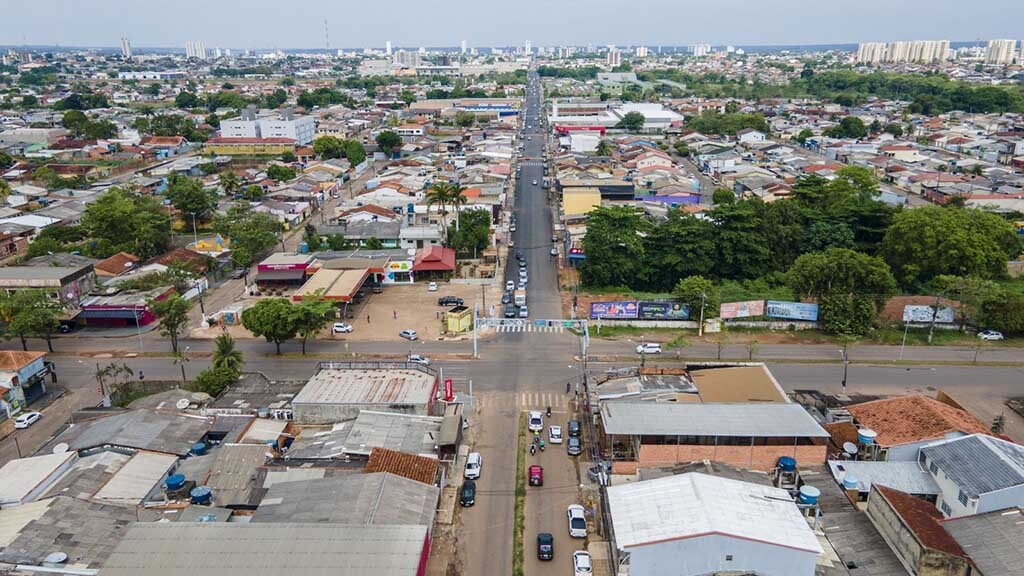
549 411
541 445
533 449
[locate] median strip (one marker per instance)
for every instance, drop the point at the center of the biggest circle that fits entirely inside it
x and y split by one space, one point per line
520 508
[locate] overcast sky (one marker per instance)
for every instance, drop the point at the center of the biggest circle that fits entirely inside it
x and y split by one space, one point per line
358 23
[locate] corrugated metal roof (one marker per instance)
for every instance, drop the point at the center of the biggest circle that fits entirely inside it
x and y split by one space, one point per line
993 540
694 504
762 420
291 549
978 464
233 473
906 477
136 478
396 386
19 478
141 429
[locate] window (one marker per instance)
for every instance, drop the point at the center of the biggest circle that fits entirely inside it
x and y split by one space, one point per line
933 468
728 557
962 498
946 509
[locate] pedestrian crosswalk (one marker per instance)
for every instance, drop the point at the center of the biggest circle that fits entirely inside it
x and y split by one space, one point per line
527 327
526 401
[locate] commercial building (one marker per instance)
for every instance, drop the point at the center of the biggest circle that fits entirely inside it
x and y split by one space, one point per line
694 524
408 433
297 549
340 390
222 146
283 269
67 284
22 380
300 129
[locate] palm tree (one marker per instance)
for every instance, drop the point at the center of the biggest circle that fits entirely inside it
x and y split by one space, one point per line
230 183
437 195
604 148
225 355
457 199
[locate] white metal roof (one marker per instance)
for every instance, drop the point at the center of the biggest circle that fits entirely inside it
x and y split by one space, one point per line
19 478
694 504
136 478
761 420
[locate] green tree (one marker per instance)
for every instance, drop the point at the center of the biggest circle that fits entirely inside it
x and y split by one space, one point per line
1004 311
850 287
328 147
186 100
441 194
632 121
121 221
6 161
471 235
251 233
723 196
225 355
894 129
355 152
681 246
31 314
214 380
188 195
280 173
804 135
311 315
614 247
970 291
848 127
693 291
230 183
272 319
604 148
682 149
389 142
464 118
925 242
173 314
253 192
74 121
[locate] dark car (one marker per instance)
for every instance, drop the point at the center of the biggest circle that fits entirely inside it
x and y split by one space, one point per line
239 273
519 255
545 546
510 311
450 301
573 428
573 447
506 297
467 495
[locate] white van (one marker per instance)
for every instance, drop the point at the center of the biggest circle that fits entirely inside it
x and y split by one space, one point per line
474 462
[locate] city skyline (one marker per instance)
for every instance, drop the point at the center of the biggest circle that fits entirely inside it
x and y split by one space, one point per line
102 23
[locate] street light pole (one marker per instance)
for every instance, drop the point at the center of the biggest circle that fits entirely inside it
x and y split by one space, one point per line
138 325
700 327
195 233
846 363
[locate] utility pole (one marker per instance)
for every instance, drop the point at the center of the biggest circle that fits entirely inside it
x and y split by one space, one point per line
846 362
935 315
700 327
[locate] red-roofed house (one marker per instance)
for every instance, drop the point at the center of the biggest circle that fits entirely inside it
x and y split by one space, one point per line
434 261
368 213
906 423
912 529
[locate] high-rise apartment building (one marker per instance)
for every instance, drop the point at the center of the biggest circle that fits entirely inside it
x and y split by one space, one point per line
528 47
1000 52
642 51
462 48
871 52
387 47
407 59
699 50
126 49
196 49
614 58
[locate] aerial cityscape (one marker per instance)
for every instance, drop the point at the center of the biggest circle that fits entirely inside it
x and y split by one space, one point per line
404 290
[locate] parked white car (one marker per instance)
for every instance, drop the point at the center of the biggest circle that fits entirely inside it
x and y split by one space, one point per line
992 335
474 464
581 563
432 287
536 422
417 359
27 419
648 348
555 434
408 334
341 328
577 521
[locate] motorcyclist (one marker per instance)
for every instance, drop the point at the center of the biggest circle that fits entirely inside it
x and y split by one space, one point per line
549 411
533 449
542 445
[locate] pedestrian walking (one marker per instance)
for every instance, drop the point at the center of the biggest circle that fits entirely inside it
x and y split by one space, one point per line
394 314
367 318
567 387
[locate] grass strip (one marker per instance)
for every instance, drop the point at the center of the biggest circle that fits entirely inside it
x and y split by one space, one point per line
520 508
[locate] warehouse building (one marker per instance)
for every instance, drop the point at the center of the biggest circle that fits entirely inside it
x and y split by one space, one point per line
339 390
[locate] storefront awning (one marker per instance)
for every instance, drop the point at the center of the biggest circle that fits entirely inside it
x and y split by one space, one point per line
280 275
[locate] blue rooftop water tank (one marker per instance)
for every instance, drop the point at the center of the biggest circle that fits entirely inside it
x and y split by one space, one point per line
304 248
175 481
787 464
199 448
200 495
866 436
809 494
850 482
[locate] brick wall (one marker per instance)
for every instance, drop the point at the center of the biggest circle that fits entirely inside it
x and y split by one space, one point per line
755 457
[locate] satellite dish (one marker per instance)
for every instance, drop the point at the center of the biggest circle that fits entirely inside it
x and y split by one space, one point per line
201 397
849 448
60 448
56 558
182 404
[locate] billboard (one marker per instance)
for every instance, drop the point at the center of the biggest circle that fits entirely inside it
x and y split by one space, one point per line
662 310
923 314
613 309
741 309
792 310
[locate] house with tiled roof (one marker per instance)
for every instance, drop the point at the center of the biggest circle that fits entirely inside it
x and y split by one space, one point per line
414 467
22 380
905 424
115 265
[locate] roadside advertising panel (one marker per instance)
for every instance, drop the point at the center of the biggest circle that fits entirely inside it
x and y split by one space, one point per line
662 310
793 310
613 310
921 314
741 309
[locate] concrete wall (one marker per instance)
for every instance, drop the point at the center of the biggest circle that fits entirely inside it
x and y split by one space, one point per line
919 560
755 457
708 554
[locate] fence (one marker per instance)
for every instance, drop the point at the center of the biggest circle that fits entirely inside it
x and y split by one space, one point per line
138 388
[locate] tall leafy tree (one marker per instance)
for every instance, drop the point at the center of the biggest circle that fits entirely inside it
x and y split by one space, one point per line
850 287
328 147
614 247
311 315
695 291
926 242
680 246
188 195
389 142
251 233
230 183
122 221
172 312
225 354
273 319
30 314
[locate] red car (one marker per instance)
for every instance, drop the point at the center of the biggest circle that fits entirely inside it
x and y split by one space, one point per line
536 475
